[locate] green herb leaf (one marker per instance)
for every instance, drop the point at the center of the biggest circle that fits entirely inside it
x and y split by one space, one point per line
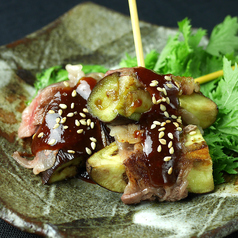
221 137
224 37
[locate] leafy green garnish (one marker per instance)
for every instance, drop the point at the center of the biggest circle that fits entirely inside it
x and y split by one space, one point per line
94 69
49 76
224 37
150 60
222 137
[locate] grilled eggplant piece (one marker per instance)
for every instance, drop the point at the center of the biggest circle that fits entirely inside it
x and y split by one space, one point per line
198 110
106 167
118 96
200 178
66 166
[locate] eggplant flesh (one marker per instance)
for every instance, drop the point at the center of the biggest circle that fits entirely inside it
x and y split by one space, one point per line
198 110
116 97
106 169
66 166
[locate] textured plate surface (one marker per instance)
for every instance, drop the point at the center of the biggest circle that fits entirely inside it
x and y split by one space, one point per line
89 34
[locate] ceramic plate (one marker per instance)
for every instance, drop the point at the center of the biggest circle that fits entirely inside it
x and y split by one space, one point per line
89 34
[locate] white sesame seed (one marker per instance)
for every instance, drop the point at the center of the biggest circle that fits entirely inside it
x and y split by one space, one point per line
154 83
82 114
74 93
71 114
192 133
159 89
62 105
163 99
159 149
176 124
83 122
89 152
63 120
85 110
77 123
170 170
57 120
34 136
179 129
167 158
66 84
159 101
170 144
65 127
51 111
164 91
171 150
163 123
174 117
93 145
167 100
154 100
166 77
72 105
79 131
170 135
52 141
156 123
162 107
161 129
88 122
75 113
56 126
93 139
168 121
179 120
40 135
60 112
161 134
166 114
152 126
169 85
162 141
92 125
71 151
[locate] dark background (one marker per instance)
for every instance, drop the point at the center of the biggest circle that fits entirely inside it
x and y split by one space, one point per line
21 17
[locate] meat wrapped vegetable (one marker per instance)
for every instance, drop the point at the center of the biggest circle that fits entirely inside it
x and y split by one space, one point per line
63 133
163 151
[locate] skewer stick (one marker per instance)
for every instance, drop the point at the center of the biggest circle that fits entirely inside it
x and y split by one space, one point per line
209 77
136 32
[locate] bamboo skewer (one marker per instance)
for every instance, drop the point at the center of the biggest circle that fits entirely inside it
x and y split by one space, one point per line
136 32
139 48
209 77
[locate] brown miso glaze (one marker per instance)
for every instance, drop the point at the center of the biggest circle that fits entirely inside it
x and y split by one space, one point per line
158 169
78 142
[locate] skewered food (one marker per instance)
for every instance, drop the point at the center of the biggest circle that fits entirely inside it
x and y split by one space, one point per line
63 133
160 152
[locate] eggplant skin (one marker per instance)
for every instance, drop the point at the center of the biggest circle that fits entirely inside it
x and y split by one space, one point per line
117 97
66 166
